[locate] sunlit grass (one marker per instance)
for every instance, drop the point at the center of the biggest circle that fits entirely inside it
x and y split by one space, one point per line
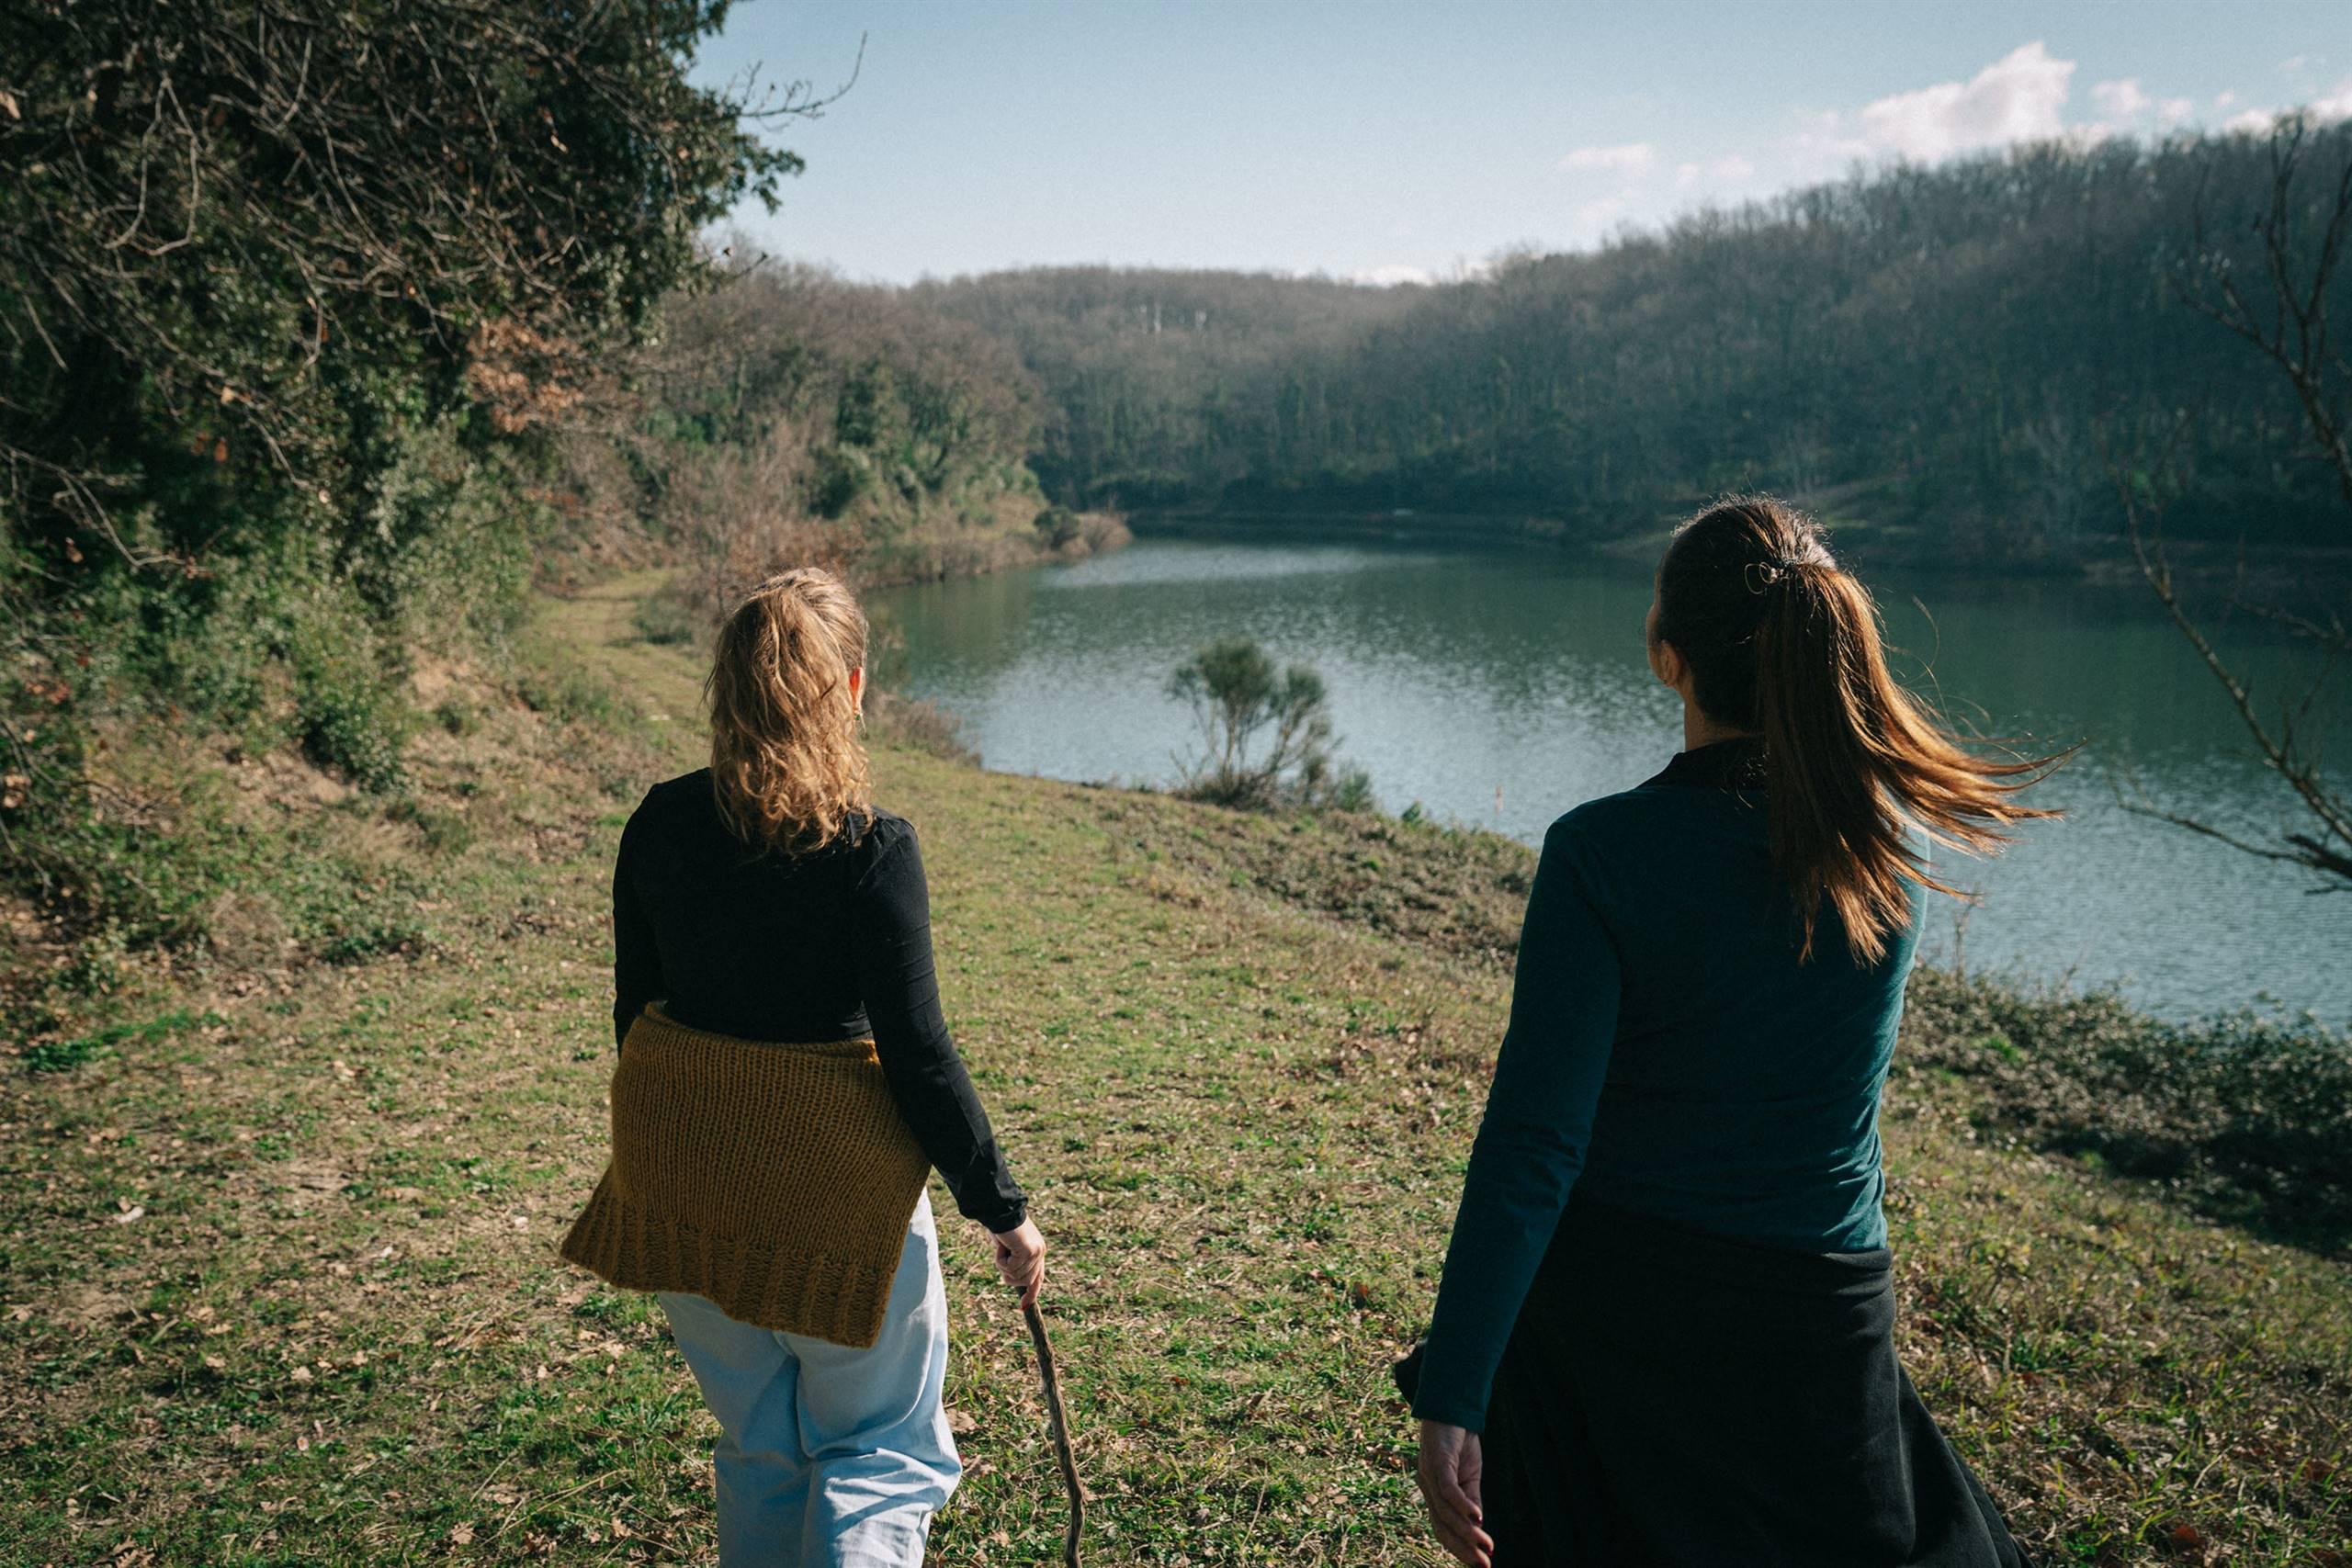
281 1288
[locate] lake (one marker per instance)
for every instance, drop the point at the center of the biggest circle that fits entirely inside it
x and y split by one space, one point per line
1498 688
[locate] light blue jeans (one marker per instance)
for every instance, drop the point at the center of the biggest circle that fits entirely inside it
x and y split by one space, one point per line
829 1456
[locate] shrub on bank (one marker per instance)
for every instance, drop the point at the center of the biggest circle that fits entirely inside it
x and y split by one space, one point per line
349 714
1266 738
663 619
2247 1116
915 724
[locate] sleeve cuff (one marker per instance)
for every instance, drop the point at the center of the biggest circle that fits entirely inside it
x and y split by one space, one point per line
1003 1220
1452 1412
1441 1394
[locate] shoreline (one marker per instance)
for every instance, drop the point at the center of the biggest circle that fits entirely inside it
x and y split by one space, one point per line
941 556
2107 563
1403 619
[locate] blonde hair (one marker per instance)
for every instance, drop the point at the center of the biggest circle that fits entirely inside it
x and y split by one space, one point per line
787 766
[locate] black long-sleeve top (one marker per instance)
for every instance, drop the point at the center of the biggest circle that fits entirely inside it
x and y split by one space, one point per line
1668 1054
830 945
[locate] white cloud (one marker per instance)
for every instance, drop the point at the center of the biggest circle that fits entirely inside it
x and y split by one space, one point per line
2336 105
2119 100
2171 111
1726 169
1391 273
2257 121
2224 100
1631 158
2018 97
2293 64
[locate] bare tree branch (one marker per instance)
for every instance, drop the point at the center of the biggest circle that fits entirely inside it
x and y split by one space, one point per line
2327 850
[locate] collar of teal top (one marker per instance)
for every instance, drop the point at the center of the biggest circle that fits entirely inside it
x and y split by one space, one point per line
1736 763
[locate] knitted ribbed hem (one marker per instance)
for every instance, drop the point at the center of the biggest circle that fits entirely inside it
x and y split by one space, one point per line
839 1300
773 1180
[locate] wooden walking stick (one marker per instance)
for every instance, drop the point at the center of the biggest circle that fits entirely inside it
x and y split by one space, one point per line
1060 1424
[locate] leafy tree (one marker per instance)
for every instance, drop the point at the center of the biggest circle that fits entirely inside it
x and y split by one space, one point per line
295 293
242 244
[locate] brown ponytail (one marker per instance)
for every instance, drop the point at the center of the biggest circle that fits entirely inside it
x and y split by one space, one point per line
1783 643
787 766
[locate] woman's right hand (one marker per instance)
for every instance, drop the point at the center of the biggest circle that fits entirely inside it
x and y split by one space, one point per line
1449 1471
1021 1258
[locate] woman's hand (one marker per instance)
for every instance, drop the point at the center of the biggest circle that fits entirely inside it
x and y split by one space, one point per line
1448 1472
1021 1258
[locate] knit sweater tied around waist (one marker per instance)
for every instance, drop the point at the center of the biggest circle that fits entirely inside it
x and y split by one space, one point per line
775 1180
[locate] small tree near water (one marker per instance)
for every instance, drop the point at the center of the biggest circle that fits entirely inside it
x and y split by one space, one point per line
1266 738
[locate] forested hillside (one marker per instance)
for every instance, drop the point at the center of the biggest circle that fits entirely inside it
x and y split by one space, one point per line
1165 386
1937 352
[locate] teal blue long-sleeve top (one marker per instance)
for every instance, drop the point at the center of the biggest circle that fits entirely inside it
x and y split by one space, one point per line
1668 1054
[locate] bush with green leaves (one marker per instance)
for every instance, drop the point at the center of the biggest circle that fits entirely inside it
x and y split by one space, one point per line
349 714
1266 738
1058 527
663 619
304 295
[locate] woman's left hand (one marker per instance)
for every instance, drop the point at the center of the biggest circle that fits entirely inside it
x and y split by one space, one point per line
1449 1473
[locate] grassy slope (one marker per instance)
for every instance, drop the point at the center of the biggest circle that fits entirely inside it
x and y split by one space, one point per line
1237 1060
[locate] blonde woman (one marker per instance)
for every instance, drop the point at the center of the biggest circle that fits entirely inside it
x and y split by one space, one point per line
786 1083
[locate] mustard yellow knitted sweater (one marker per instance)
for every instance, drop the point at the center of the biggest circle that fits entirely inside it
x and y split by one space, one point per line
775 1180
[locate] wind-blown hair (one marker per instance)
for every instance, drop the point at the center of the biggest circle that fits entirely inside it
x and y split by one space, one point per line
786 765
1783 642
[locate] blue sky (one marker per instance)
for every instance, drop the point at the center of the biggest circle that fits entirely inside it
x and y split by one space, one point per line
1395 142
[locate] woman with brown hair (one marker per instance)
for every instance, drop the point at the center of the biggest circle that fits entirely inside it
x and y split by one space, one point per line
786 1083
1665 1330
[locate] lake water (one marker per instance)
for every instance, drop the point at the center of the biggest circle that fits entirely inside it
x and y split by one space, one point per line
1499 689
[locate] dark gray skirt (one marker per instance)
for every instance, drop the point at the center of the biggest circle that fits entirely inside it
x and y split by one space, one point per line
1681 1400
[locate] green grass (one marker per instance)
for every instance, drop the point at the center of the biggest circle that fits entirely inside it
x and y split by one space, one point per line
280 1284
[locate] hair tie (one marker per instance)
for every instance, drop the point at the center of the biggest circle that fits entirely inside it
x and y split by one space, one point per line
1772 570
